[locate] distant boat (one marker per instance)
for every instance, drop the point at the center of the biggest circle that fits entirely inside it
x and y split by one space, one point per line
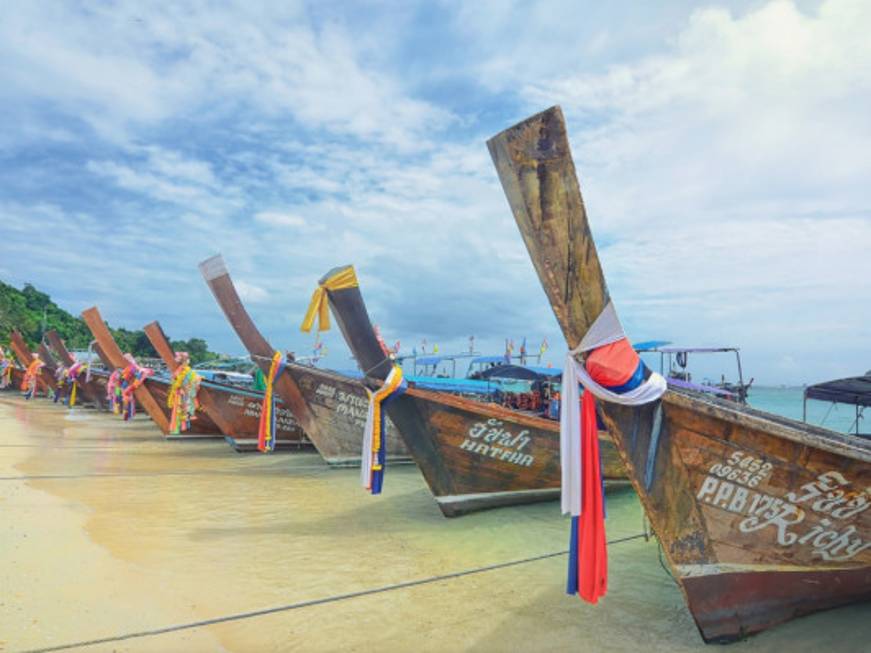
677 374
761 518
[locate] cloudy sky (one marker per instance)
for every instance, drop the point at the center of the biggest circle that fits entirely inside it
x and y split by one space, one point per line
724 151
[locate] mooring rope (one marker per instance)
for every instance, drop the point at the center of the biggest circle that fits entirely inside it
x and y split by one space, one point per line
239 616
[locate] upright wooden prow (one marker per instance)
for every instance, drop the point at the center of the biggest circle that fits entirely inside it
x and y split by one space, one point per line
535 166
161 344
156 336
216 275
20 349
114 358
351 315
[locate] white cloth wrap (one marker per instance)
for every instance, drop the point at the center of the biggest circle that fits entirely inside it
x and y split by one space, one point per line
367 458
604 331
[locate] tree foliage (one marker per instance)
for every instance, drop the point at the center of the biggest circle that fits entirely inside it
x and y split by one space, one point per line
33 313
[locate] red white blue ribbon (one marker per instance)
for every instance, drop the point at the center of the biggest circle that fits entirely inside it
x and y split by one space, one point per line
611 372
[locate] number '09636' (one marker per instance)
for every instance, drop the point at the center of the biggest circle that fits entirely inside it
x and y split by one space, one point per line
743 468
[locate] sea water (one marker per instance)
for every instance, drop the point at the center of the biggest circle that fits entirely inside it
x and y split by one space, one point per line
789 402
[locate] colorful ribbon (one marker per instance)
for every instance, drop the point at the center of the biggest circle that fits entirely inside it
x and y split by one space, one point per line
73 374
113 392
31 376
123 384
612 372
266 432
182 397
5 370
60 376
319 308
374 457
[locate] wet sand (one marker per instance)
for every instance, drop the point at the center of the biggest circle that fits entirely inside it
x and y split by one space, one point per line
108 531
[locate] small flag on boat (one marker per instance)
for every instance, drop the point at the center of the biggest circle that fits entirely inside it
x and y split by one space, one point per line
374 458
543 347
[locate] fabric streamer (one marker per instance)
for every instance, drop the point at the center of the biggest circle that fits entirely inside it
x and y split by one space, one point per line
266 431
612 371
182 396
123 384
31 377
113 392
5 369
319 308
60 375
374 458
75 370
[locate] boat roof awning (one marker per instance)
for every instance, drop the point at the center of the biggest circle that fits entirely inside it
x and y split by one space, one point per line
463 386
650 345
855 390
523 372
694 350
431 360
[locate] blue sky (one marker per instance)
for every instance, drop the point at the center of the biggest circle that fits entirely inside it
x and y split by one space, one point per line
723 151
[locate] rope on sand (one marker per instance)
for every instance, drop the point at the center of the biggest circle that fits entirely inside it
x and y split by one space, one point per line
312 602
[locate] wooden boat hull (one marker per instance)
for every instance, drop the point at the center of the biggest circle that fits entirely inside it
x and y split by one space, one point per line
473 455
485 456
761 518
339 404
325 404
89 391
234 411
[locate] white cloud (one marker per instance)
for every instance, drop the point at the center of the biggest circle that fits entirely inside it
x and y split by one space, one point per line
155 62
251 293
278 219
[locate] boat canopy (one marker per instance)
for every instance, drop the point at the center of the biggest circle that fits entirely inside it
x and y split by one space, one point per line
462 386
650 345
431 360
694 350
524 372
855 390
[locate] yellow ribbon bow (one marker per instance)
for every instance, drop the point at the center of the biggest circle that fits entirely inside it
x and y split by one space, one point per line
319 308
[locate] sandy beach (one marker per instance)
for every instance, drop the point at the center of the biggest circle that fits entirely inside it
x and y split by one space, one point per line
110 533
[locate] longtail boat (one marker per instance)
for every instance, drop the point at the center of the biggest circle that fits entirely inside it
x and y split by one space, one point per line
11 374
473 454
25 357
330 407
153 393
91 389
761 518
235 410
